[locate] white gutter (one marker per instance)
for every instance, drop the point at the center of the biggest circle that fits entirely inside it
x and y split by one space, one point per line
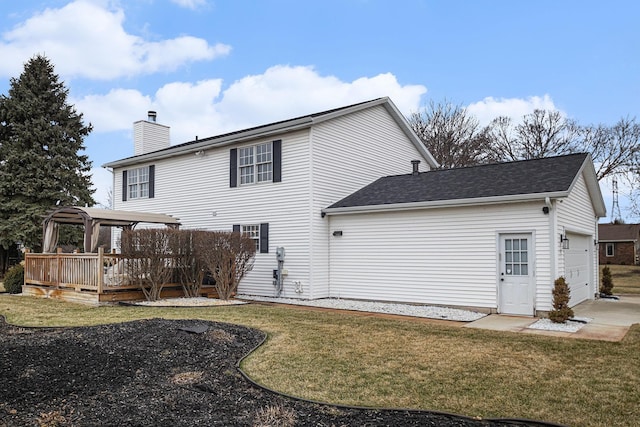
444 203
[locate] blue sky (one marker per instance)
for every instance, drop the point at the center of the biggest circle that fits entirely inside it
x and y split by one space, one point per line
212 66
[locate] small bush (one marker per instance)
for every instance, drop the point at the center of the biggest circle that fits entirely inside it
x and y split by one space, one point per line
14 279
561 294
606 286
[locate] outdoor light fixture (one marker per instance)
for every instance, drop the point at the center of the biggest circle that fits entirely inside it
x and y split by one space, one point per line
564 241
337 233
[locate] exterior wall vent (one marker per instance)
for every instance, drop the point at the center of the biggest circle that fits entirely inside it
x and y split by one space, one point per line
415 164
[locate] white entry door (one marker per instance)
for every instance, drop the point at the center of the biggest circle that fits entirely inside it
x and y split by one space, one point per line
516 275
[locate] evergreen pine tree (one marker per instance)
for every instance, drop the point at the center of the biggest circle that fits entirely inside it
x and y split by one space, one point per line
41 165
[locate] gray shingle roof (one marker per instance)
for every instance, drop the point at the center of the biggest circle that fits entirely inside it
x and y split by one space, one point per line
539 176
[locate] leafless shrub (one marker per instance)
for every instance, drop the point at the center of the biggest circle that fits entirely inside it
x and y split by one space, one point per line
148 263
188 264
228 256
275 416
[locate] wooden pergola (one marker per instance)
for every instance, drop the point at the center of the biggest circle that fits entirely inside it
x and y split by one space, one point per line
92 276
92 219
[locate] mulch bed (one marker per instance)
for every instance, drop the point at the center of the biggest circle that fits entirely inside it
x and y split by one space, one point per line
159 373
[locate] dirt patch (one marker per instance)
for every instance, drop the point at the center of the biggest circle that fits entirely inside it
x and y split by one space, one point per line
159 373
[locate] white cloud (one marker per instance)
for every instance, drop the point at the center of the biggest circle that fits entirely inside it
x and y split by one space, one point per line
203 109
87 39
190 4
490 108
102 180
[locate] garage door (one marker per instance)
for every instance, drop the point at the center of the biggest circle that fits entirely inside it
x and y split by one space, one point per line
577 267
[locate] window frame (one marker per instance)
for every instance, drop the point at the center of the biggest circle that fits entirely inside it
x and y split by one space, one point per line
137 183
613 250
253 232
516 258
255 166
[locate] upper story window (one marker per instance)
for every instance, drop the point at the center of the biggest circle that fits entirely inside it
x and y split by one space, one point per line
138 183
255 163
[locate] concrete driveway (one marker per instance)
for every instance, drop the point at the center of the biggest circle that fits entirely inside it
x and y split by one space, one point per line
611 320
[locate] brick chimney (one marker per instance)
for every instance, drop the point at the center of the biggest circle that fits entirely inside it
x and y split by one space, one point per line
148 135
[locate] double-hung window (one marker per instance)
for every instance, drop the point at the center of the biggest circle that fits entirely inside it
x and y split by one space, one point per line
138 183
258 232
252 231
256 163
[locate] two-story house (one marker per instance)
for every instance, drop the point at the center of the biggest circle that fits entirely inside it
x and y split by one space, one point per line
492 237
270 182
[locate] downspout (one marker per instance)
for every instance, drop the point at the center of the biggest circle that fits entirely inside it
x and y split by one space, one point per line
553 247
596 258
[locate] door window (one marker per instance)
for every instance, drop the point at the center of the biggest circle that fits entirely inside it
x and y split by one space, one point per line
516 257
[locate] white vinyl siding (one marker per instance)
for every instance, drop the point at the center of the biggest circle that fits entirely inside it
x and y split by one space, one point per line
196 190
347 154
446 256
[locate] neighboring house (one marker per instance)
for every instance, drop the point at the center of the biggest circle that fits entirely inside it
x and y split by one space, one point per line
487 237
619 243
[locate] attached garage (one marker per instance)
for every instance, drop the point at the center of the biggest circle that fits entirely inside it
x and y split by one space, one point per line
490 237
578 267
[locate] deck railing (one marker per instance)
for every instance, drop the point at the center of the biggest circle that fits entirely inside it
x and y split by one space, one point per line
80 271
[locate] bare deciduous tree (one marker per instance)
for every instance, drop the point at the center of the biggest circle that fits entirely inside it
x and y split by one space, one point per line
452 135
148 264
616 149
542 133
227 256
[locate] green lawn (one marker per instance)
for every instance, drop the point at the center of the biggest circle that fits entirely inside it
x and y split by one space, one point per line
626 278
359 360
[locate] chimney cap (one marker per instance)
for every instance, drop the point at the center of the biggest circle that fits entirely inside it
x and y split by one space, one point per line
152 115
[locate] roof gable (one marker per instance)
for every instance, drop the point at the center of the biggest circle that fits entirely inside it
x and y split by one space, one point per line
545 177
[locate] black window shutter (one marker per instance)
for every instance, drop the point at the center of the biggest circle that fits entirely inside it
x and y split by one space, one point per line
236 228
264 238
233 167
152 181
124 186
277 160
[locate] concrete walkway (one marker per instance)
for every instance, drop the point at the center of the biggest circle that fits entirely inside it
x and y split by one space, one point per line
611 320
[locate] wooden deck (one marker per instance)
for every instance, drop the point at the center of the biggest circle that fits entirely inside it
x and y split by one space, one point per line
90 278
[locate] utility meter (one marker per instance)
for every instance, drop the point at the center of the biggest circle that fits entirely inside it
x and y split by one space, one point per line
280 254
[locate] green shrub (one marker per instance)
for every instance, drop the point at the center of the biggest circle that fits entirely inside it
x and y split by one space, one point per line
14 279
561 294
606 286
